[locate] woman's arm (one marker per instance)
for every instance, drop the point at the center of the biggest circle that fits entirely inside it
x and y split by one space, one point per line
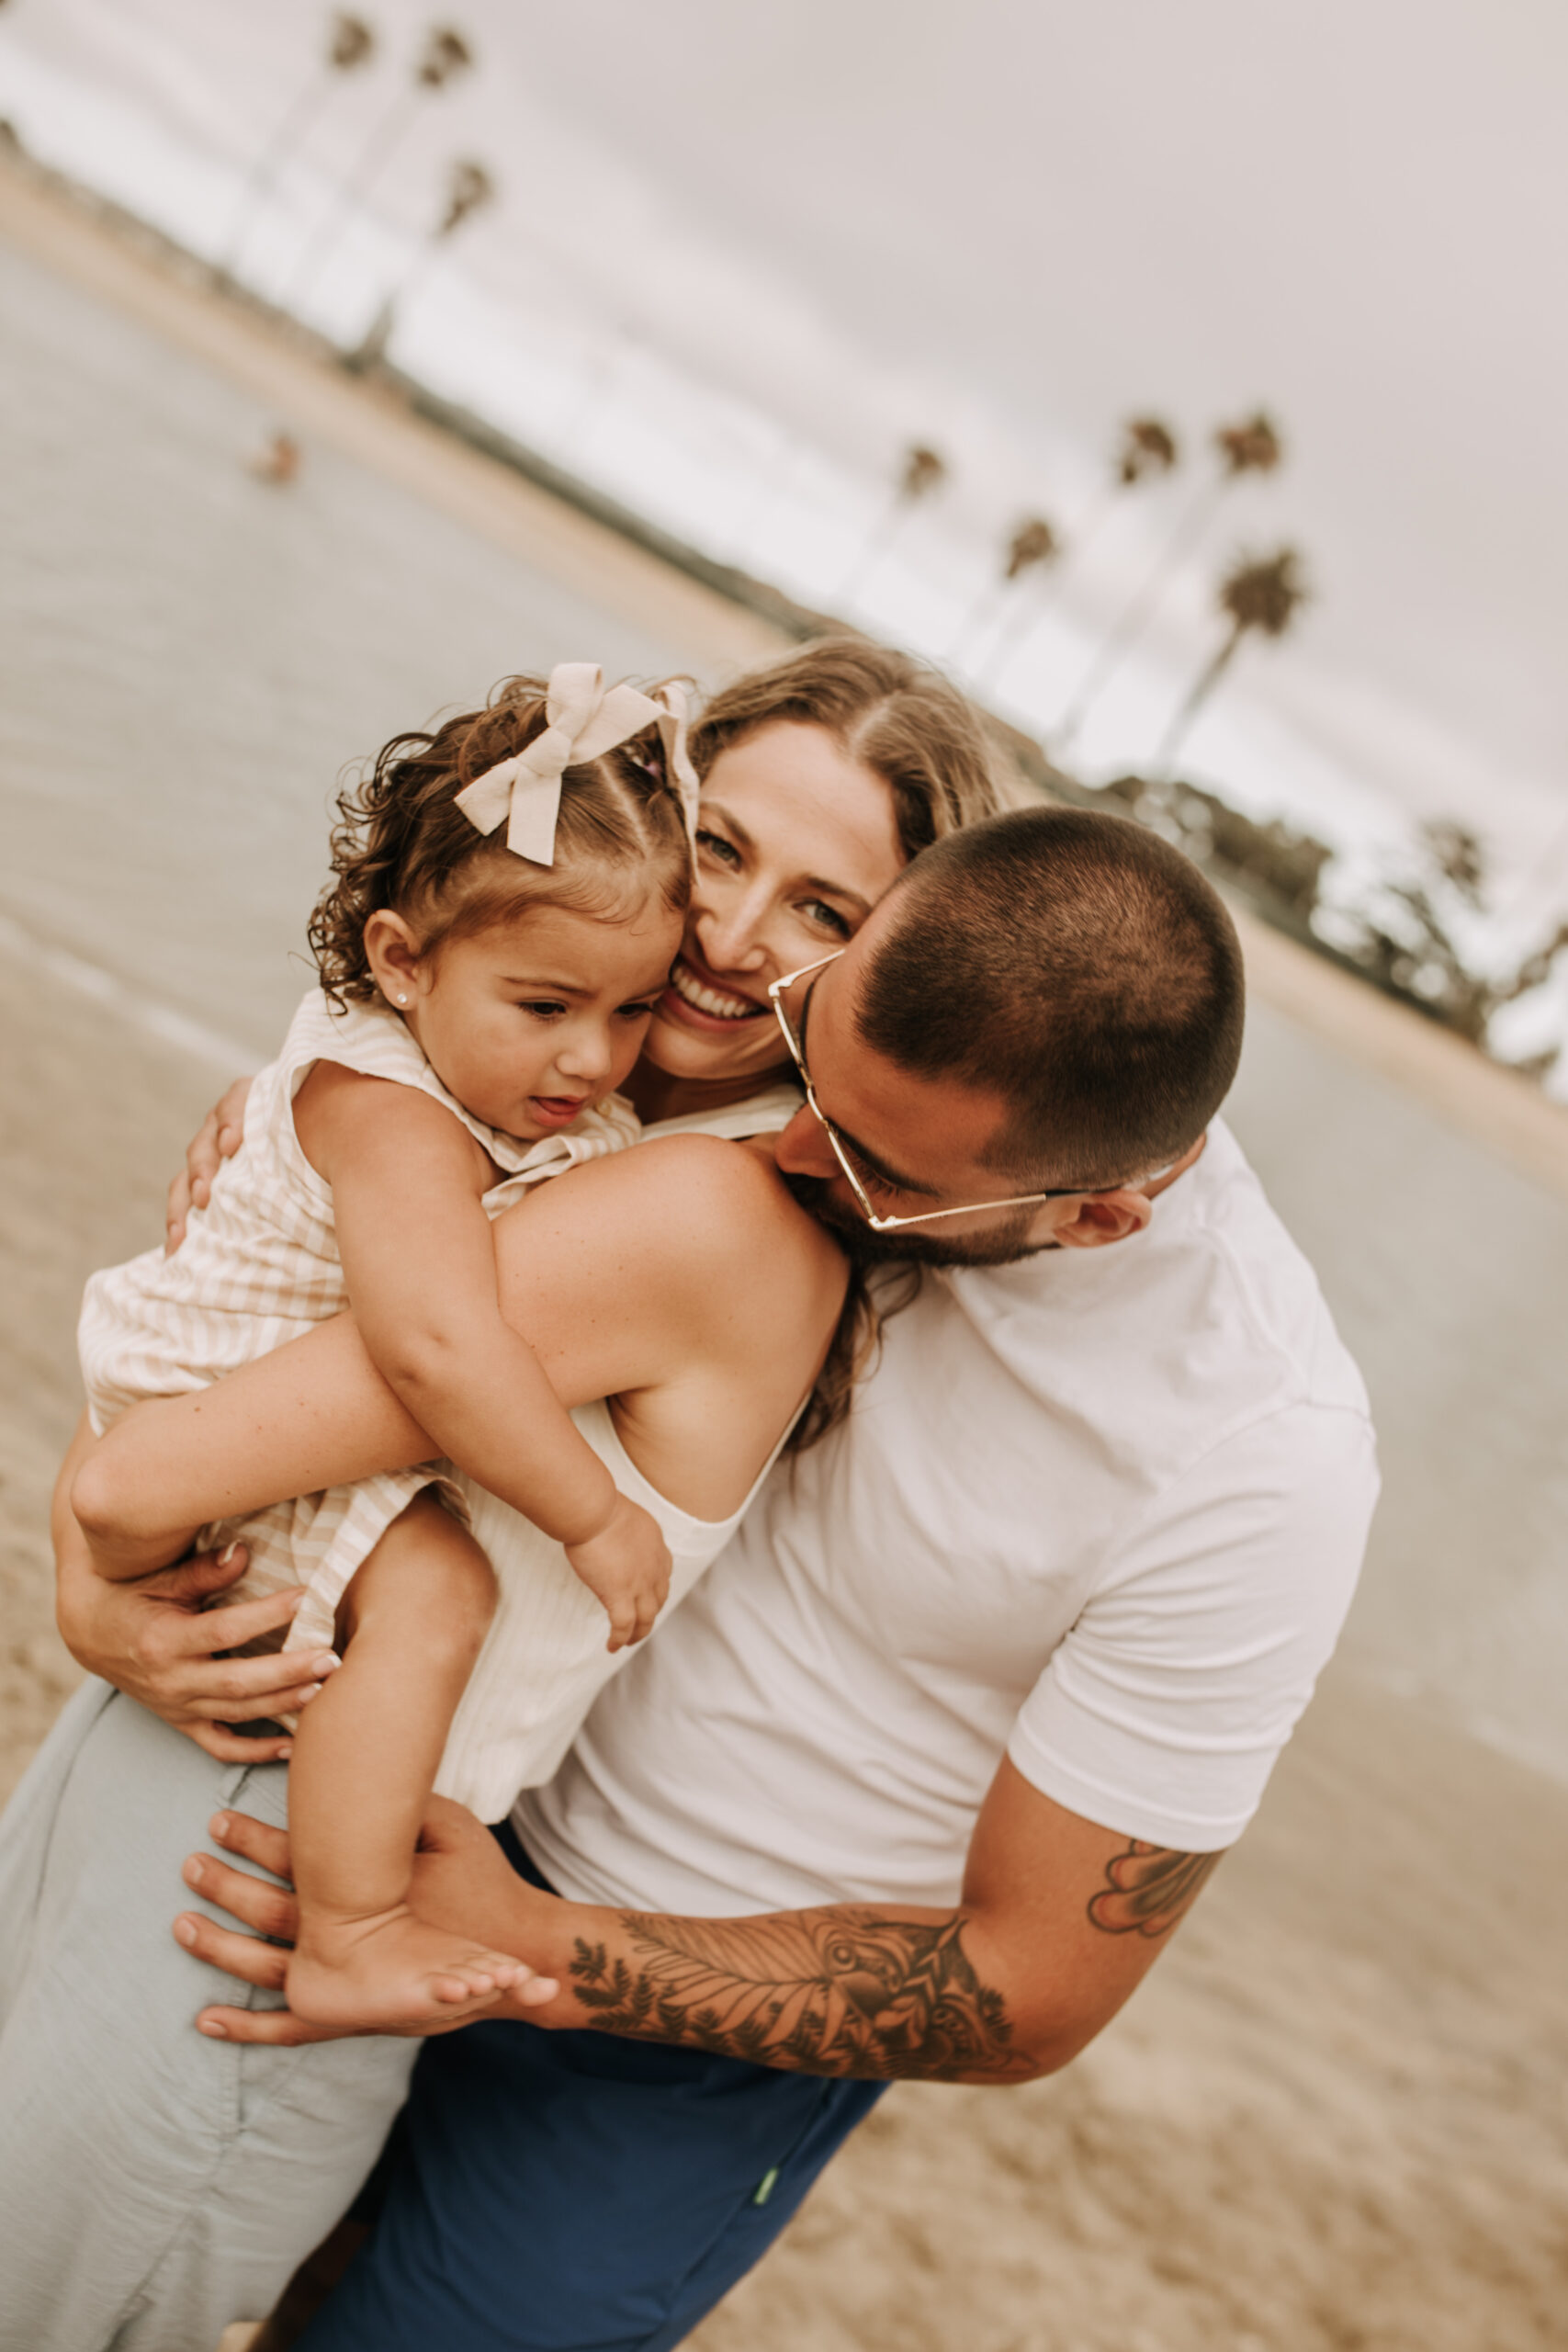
419 1265
256 1438
157 1639
678 1277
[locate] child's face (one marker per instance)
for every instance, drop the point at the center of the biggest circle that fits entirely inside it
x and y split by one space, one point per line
530 1021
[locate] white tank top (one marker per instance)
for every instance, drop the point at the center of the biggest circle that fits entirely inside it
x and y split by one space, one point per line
544 1661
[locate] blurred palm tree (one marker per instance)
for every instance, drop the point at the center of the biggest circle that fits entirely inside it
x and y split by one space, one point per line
446 55
1034 542
350 45
1147 447
1253 446
922 473
1258 592
469 188
1459 856
1406 942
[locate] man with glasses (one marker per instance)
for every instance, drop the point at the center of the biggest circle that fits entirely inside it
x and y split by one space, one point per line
920 1781
993 1243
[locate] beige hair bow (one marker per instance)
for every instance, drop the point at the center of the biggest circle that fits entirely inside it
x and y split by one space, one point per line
584 720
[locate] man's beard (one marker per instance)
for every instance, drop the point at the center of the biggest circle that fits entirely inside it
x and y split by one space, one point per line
1000 1245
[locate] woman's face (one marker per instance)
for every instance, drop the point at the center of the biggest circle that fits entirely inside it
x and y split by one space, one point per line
796 844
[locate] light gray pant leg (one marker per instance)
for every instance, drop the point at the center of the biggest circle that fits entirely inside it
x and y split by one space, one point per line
26 1828
153 2185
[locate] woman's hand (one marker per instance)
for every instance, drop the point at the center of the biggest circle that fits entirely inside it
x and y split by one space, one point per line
154 1640
218 1138
460 1876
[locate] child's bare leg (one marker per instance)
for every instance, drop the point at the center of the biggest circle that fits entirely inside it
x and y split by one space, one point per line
366 1753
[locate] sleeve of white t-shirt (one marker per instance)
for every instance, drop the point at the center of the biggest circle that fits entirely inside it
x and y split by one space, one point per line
1162 1712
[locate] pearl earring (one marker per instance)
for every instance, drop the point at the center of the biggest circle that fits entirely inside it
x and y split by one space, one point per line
402 1000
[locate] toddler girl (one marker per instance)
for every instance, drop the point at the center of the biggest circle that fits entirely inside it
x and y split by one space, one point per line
508 902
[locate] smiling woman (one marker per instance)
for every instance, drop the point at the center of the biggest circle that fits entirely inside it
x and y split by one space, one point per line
823 775
688 1303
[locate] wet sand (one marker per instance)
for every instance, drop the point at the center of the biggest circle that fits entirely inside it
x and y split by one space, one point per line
92 1118
1331 2121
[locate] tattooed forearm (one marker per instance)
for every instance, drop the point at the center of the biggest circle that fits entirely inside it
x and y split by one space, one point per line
840 1991
1147 1889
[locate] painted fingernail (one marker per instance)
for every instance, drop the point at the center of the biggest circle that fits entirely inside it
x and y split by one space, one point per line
210 2027
227 1554
285 1752
186 1931
327 1662
308 1692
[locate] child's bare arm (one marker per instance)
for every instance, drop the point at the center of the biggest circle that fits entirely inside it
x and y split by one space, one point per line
420 1264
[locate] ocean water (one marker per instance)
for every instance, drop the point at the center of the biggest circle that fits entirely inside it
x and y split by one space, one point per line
187 659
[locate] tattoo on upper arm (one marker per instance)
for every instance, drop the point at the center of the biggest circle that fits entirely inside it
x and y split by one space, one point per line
848 1992
1147 1889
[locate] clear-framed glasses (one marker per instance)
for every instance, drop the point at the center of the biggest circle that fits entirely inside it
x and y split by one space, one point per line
877 1224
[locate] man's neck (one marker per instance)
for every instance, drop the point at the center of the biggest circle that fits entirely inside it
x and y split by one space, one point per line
1188 1158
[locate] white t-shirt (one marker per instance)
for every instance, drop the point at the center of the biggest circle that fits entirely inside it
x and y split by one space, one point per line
1103 1510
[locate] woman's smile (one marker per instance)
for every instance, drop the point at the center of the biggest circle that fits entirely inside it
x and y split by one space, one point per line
696 997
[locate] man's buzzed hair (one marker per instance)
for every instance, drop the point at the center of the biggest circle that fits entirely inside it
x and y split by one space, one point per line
1076 964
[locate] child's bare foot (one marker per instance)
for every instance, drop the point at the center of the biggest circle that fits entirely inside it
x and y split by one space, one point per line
391 1973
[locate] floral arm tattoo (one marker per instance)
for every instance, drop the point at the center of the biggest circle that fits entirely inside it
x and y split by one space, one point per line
844 1992
1148 1890
850 1990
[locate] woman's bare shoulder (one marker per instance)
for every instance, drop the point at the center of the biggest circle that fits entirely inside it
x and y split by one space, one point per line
697 1212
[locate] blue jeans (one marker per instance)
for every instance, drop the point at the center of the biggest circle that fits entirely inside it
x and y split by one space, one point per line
552 2192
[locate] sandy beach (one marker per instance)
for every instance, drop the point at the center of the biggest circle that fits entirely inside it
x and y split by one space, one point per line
1332 2119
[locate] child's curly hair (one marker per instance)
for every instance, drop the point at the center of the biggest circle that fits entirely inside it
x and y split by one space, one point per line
403 841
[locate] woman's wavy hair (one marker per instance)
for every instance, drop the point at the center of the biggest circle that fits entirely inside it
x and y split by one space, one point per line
894 714
910 726
402 842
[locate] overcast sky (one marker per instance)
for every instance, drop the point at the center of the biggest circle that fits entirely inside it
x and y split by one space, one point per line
1006 223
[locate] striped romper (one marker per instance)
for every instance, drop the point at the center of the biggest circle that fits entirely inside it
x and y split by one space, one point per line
259 1266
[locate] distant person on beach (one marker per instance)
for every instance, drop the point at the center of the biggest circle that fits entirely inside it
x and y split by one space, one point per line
279 463
508 897
922 1776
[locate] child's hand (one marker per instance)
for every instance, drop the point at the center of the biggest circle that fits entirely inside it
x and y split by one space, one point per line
626 1565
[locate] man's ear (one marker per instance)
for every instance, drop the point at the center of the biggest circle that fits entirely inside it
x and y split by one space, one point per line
1102 1218
392 952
